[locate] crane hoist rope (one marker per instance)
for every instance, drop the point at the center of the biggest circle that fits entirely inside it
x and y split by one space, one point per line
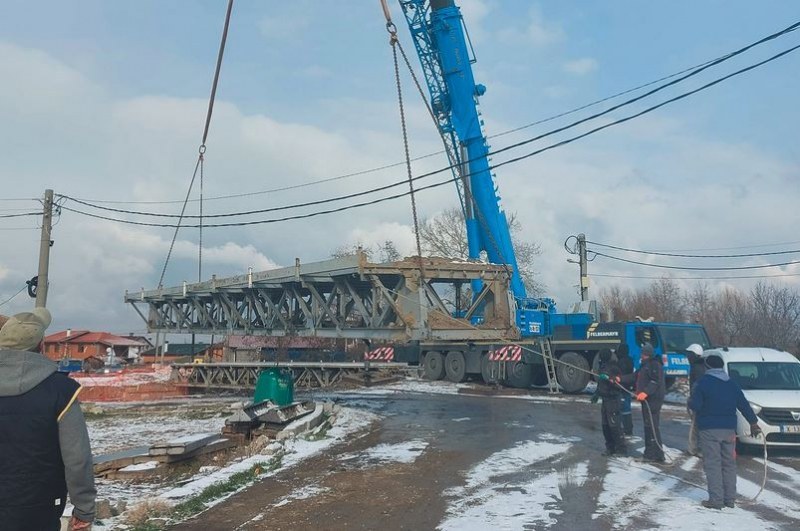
395 44
201 157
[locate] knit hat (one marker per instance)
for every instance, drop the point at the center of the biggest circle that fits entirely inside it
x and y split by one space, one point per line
714 361
24 331
647 350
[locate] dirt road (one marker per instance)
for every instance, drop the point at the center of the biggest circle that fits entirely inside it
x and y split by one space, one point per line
448 461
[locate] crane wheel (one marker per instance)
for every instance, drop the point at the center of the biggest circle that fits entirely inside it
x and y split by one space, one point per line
433 366
572 372
490 370
455 367
519 374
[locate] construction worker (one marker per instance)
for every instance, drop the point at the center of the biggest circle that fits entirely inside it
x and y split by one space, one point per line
627 378
715 400
697 369
650 391
44 441
609 390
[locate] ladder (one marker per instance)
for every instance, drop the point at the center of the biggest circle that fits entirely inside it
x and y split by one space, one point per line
549 365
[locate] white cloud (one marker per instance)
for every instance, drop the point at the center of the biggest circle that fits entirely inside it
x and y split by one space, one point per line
580 67
536 30
401 235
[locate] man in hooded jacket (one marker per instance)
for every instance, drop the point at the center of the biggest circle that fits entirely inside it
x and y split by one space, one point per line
44 444
650 391
714 401
610 391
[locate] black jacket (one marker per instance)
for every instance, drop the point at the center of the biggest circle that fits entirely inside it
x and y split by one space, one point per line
650 379
607 389
626 371
44 444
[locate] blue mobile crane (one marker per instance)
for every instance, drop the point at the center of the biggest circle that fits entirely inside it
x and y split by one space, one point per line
446 56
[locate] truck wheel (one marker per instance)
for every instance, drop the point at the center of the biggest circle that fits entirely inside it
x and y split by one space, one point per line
434 365
572 372
490 370
518 374
538 375
455 367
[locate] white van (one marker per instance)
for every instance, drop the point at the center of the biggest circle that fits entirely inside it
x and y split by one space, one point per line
770 380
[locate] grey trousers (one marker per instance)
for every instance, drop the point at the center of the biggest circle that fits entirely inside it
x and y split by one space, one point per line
719 463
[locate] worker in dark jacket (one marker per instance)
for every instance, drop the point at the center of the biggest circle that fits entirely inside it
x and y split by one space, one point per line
715 400
697 368
609 390
650 391
44 444
627 378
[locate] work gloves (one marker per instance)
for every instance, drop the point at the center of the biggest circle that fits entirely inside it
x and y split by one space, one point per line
76 524
602 376
755 430
641 397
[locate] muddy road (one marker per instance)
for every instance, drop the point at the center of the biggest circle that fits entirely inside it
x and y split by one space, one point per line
441 460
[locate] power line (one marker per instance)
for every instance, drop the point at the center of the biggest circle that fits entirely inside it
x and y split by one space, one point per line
662 253
20 215
447 168
695 278
13 296
693 268
449 180
755 246
692 71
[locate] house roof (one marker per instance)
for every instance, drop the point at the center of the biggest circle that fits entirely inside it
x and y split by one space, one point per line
86 336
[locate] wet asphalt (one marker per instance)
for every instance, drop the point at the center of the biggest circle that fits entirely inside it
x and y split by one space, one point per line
466 430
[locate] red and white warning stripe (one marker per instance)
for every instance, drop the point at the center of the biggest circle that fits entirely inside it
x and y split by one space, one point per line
506 353
380 354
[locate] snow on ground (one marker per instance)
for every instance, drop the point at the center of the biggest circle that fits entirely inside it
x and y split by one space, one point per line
500 492
414 385
121 431
632 490
348 421
148 465
302 493
402 452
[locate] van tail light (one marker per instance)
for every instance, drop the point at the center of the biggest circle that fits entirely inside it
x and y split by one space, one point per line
664 359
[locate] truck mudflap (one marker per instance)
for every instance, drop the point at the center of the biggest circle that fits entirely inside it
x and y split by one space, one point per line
676 365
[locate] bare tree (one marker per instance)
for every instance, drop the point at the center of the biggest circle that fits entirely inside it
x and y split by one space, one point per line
446 235
775 316
668 300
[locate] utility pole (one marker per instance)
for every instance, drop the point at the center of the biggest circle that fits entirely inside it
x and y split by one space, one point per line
44 250
584 265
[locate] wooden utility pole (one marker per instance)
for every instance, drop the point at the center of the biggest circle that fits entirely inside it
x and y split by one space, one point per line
44 250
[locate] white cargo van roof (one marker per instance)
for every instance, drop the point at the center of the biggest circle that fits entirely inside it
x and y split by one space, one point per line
734 354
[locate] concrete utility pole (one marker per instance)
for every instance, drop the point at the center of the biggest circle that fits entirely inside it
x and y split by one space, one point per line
584 266
44 250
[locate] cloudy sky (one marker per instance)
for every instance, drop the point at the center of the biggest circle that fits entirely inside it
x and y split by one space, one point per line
106 101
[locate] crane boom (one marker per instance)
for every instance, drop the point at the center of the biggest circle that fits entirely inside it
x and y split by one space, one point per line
440 40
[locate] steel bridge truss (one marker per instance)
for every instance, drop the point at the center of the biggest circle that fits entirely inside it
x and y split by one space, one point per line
345 297
245 375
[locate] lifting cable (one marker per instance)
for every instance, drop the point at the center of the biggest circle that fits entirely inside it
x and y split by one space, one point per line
395 43
201 157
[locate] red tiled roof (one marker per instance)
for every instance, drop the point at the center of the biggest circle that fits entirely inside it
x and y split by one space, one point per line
85 336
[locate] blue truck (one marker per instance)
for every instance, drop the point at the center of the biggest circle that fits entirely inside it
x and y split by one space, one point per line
446 56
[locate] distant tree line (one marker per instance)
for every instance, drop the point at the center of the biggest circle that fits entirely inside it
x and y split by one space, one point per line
766 316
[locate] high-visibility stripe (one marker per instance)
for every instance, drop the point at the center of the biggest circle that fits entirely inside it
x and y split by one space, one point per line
71 400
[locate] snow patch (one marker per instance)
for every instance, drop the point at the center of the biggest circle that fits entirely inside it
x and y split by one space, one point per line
402 452
500 493
309 491
149 465
462 419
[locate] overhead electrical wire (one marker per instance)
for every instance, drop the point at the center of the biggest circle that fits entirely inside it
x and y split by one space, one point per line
694 268
428 174
678 255
736 277
691 71
23 214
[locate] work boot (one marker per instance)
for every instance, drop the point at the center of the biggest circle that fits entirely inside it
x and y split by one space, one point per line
730 504
708 504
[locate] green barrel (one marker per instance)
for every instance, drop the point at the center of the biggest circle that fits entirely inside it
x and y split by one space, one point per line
275 385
